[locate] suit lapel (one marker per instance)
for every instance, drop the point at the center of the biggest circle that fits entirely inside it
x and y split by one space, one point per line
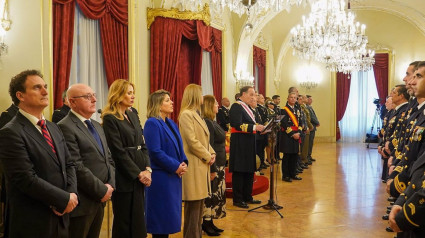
201 122
79 124
170 134
36 135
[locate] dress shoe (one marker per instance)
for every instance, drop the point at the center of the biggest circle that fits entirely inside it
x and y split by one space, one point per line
207 227
253 201
390 207
388 211
385 217
389 229
240 204
216 228
287 179
312 159
309 163
384 181
300 171
296 178
391 203
304 166
391 199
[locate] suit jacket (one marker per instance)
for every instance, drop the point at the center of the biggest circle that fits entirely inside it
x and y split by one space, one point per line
242 140
218 142
164 196
223 118
8 115
128 149
37 179
196 144
60 113
94 167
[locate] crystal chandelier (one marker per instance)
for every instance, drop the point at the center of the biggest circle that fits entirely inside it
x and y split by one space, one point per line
329 35
241 7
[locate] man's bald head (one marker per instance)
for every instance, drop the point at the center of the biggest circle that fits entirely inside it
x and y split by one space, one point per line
82 100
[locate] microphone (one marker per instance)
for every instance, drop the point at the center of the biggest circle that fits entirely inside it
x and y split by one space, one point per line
99 111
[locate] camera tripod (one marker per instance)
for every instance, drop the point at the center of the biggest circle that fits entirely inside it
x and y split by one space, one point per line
377 120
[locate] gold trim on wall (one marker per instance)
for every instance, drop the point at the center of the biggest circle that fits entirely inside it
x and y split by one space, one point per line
203 15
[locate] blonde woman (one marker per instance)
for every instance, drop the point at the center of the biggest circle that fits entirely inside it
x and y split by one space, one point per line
200 155
125 140
215 204
169 163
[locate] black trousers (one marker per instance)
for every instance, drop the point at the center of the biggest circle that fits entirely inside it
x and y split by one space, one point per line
289 165
87 226
310 145
384 175
260 145
242 186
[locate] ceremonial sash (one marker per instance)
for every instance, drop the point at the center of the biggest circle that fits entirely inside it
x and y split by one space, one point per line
248 110
292 116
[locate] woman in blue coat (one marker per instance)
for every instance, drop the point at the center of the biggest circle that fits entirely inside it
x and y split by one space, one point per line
168 162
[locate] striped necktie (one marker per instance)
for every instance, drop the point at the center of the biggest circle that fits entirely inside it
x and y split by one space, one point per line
46 135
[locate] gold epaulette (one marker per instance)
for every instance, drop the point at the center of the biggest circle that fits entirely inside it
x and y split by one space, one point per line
395 142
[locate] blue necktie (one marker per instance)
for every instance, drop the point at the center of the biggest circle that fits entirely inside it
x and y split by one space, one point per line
94 133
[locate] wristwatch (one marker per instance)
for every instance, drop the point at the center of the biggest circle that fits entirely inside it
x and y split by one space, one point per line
149 169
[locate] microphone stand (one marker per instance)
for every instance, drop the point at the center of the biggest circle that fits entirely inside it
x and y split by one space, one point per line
271 203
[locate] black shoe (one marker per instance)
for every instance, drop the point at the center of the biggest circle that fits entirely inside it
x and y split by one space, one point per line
240 204
384 181
390 207
296 178
259 171
300 171
287 179
216 228
253 201
388 211
389 229
385 217
312 159
391 199
309 163
304 166
207 227
391 203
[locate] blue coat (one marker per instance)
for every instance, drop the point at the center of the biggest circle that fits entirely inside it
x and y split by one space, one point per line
164 196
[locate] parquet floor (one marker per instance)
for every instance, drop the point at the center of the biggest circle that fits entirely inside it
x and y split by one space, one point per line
341 195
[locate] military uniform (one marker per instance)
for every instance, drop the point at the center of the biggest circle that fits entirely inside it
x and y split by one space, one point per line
315 122
60 113
242 159
289 146
223 118
306 140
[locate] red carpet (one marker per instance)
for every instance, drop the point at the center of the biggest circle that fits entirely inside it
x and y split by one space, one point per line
261 184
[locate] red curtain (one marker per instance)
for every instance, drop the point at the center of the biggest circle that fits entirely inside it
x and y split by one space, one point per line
176 56
259 56
63 34
380 69
113 21
343 82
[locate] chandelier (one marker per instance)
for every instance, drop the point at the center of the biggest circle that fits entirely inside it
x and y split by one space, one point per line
241 7
329 35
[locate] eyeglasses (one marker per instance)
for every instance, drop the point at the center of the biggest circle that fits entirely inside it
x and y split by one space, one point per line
87 96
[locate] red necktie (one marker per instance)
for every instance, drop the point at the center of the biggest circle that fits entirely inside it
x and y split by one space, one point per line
46 135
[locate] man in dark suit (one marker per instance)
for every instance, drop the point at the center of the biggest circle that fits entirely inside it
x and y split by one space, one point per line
315 121
290 139
40 174
61 112
242 160
86 142
5 117
223 114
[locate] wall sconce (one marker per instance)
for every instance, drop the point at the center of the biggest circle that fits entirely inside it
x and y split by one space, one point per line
5 24
243 79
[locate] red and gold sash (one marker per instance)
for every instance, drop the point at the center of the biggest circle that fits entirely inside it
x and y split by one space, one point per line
292 116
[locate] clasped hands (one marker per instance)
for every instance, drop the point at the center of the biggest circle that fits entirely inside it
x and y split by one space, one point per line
72 203
145 178
108 193
181 169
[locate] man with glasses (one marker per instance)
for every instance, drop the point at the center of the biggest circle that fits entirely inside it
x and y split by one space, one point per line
86 142
40 173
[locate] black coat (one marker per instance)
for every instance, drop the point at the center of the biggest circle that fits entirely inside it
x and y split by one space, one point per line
218 143
242 141
8 115
60 113
129 152
37 179
223 118
94 167
287 144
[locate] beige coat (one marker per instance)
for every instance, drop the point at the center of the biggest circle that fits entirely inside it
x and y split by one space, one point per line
195 135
